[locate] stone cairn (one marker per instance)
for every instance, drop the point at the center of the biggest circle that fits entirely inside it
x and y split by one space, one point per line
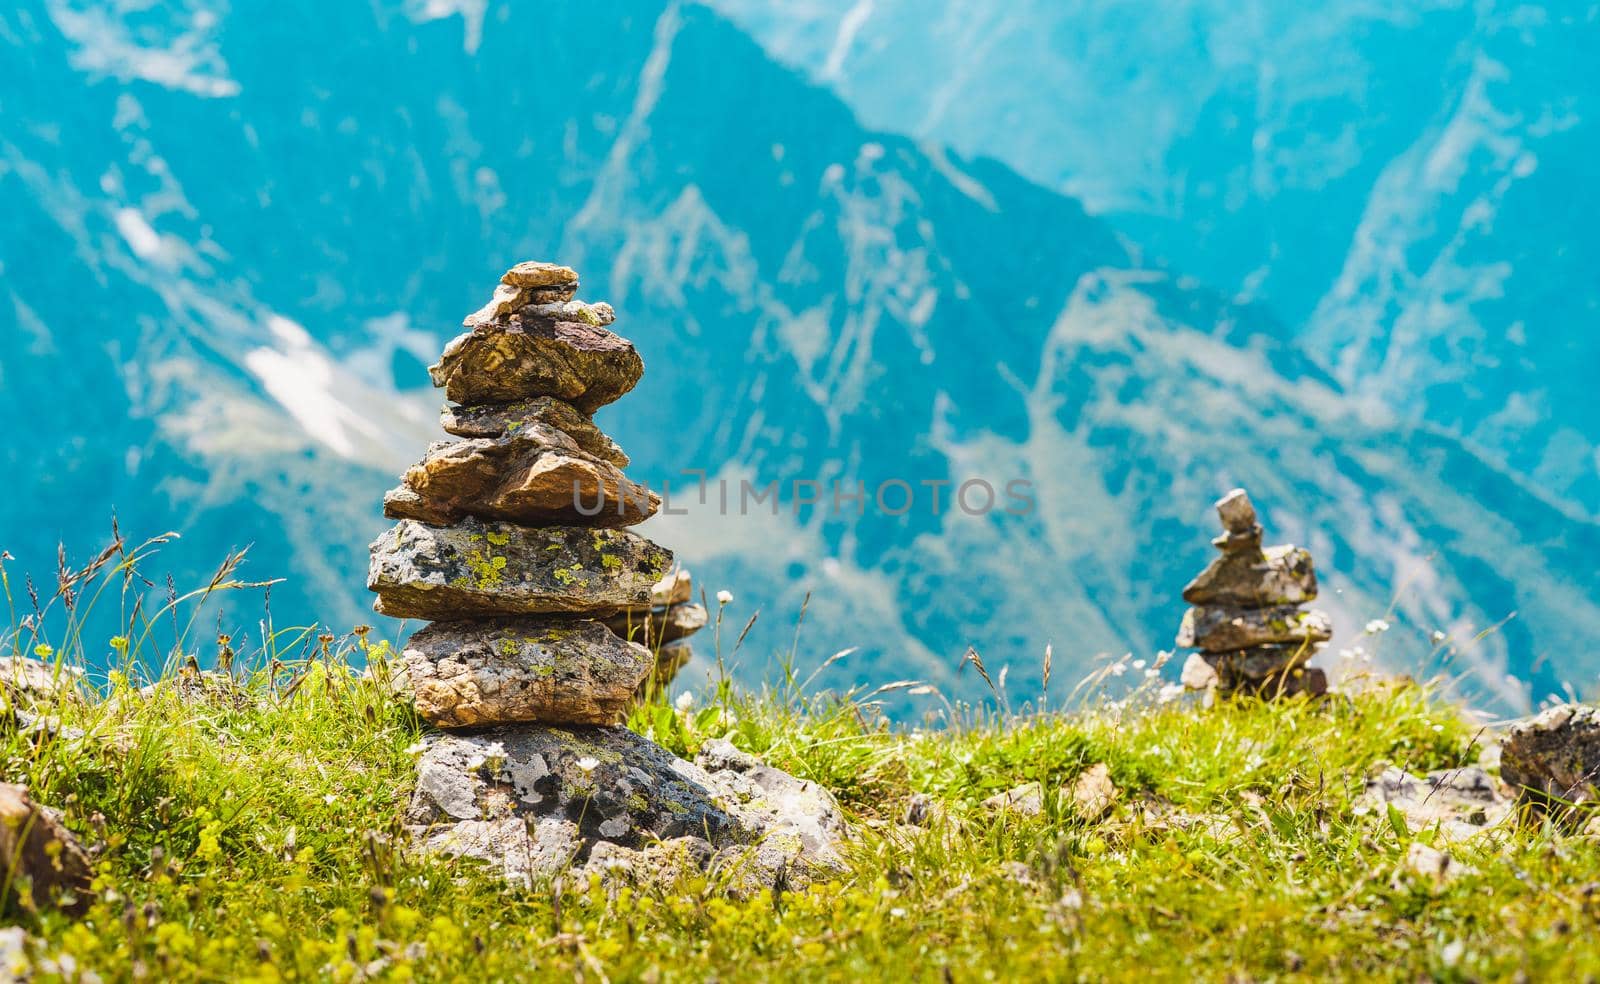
545 613
1253 636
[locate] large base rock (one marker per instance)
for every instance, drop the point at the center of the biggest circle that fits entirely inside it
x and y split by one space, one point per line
1553 758
533 802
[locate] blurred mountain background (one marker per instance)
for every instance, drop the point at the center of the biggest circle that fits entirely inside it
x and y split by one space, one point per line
1135 254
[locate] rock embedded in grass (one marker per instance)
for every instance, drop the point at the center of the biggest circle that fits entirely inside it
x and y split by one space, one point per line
39 856
1553 758
480 568
533 801
475 673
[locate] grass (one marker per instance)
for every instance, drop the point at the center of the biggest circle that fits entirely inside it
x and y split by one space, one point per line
250 830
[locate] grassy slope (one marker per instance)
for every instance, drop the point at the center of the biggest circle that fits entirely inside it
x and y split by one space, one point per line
257 839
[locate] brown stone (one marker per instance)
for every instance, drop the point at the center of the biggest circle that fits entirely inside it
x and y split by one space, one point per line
405 503
477 568
1220 629
498 671
654 628
41 862
500 419
1553 758
530 356
532 475
674 589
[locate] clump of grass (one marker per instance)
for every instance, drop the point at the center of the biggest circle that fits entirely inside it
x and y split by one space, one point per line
248 827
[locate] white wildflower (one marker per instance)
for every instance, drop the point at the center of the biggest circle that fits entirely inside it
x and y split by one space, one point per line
1438 637
330 799
1169 692
724 597
1138 664
1119 667
494 756
1376 626
684 702
588 763
1151 674
1163 658
416 749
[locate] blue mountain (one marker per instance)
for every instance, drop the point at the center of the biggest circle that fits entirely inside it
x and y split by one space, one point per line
236 237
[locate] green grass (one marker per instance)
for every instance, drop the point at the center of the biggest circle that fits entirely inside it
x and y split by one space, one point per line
255 835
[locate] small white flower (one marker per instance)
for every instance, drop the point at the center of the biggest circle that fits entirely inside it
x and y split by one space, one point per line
588 763
416 749
494 756
1376 626
1151 674
1119 667
1163 658
1138 664
1169 693
724 597
897 912
684 702
330 799
1438 637
1355 652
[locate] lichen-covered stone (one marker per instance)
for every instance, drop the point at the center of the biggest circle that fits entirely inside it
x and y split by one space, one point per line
500 419
40 859
532 353
655 628
1241 532
1461 802
1219 629
498 671
1553 758
1255 579
534 802
478 568
674 589
531 475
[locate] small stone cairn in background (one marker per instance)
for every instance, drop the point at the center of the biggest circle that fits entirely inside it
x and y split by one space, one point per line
549 619
1247 621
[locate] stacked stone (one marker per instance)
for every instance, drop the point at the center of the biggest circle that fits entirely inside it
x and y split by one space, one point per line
664 628
511 539
1247 620
512 542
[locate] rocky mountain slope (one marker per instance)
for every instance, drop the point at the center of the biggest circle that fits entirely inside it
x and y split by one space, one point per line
236 237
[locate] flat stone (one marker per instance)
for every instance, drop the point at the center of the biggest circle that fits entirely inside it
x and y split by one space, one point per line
532 475
601 799
1276 576
1553 758
674 589
505 300
655 628
533 273
41 860
670 661
1221 629
478 568
497 671
530 356
35 681
500 419
406 503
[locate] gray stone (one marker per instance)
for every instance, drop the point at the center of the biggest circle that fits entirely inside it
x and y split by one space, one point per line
527 354
497 671
1553 758
1276 576
500 419
1220 629
536 801
1461 802
480 568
